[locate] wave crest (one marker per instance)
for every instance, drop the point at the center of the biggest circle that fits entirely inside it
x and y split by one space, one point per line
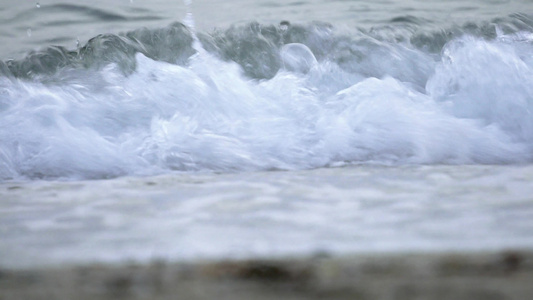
265 97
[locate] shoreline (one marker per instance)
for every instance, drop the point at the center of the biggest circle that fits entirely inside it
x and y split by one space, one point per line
448 275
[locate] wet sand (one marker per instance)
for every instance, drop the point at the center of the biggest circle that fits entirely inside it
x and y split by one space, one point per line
473 276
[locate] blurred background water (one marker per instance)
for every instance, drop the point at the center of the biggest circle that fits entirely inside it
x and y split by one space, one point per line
291 128
29 25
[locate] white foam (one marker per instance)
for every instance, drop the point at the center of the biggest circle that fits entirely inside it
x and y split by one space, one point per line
487 81
209 116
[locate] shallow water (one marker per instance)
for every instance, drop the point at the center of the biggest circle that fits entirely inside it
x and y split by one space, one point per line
354 126
357 209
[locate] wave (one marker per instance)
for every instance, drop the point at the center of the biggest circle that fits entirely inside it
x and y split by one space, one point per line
263 97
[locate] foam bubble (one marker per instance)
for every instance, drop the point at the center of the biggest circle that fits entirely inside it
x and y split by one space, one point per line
297 57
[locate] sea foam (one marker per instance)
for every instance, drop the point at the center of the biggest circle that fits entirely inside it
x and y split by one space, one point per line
260 98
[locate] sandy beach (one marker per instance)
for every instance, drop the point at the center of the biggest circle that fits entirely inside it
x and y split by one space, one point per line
473 276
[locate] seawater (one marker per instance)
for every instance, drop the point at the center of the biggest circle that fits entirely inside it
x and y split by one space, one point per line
429 92
327 211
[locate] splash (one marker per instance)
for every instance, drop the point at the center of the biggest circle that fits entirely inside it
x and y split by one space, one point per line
190 23
265 97
189 18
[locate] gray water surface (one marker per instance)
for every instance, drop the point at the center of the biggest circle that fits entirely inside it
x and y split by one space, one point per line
31 25
358 209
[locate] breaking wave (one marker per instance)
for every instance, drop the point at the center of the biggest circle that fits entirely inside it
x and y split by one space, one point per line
263 97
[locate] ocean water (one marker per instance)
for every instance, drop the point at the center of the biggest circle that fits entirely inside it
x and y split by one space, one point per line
139 130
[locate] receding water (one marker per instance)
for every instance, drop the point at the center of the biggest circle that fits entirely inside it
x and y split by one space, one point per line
272 128
323 211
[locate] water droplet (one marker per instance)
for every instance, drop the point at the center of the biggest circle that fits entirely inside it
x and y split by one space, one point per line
189 22
189 18
77 43
499 31
284 25
28 32
38 5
